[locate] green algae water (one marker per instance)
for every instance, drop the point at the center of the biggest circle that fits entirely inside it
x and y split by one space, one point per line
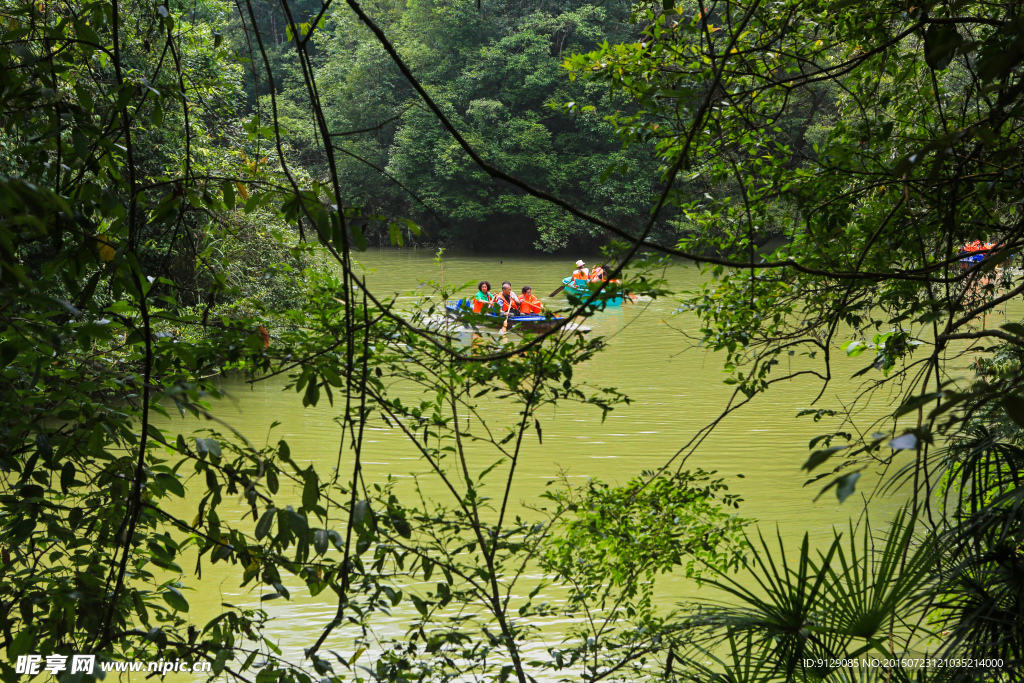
676 389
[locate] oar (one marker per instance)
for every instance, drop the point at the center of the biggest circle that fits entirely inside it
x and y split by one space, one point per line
504 327
557 291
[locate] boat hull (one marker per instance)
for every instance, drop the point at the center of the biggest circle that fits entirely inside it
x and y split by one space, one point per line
460 310
577 291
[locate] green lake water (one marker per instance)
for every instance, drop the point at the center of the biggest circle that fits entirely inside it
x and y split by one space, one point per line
675 387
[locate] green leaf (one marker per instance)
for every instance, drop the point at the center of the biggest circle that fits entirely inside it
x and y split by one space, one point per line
87 34
820 456
252 203
421 606
173 597
228 188
222 659
394 596
171 483
312 395
266 521
358 237
210 446
43 446
1014 328
359 513
402 527
414 228
320 541
221 552
395 233
310 490
855 348
298 523
140 606
904 442
917 402
337 232
1014 407
156 116
21 644
80 143
154 432
67 476
845 485
941 42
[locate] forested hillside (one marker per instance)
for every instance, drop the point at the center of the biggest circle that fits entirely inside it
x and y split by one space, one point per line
497 71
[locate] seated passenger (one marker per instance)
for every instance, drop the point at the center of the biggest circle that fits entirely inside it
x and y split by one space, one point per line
581 272
483 296
509 301
598 275
529 304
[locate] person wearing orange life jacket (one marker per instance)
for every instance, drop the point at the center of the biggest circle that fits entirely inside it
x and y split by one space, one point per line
483 297
509 301
529 304
600 275
581 272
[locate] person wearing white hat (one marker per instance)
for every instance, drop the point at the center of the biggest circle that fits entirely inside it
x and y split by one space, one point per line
581 272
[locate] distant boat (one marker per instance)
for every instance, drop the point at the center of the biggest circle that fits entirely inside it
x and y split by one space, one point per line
976 252
968 257
460 310
579 291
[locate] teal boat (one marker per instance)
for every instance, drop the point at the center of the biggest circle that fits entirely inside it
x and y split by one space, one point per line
578 291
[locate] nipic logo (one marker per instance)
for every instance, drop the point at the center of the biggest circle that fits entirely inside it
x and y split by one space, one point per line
55 664
31 665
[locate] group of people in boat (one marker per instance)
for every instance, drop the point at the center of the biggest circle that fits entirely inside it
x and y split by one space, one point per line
506 301
970 248
582 273
973 252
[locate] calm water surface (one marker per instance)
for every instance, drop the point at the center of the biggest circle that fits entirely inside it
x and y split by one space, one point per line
675 388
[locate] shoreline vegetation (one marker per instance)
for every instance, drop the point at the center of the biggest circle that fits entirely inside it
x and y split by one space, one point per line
187 187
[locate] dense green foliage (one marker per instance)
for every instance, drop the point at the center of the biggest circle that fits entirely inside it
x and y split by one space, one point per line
154 233
495 69
878 140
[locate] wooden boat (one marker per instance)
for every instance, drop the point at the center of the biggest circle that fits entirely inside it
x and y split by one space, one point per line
460 310
579 291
